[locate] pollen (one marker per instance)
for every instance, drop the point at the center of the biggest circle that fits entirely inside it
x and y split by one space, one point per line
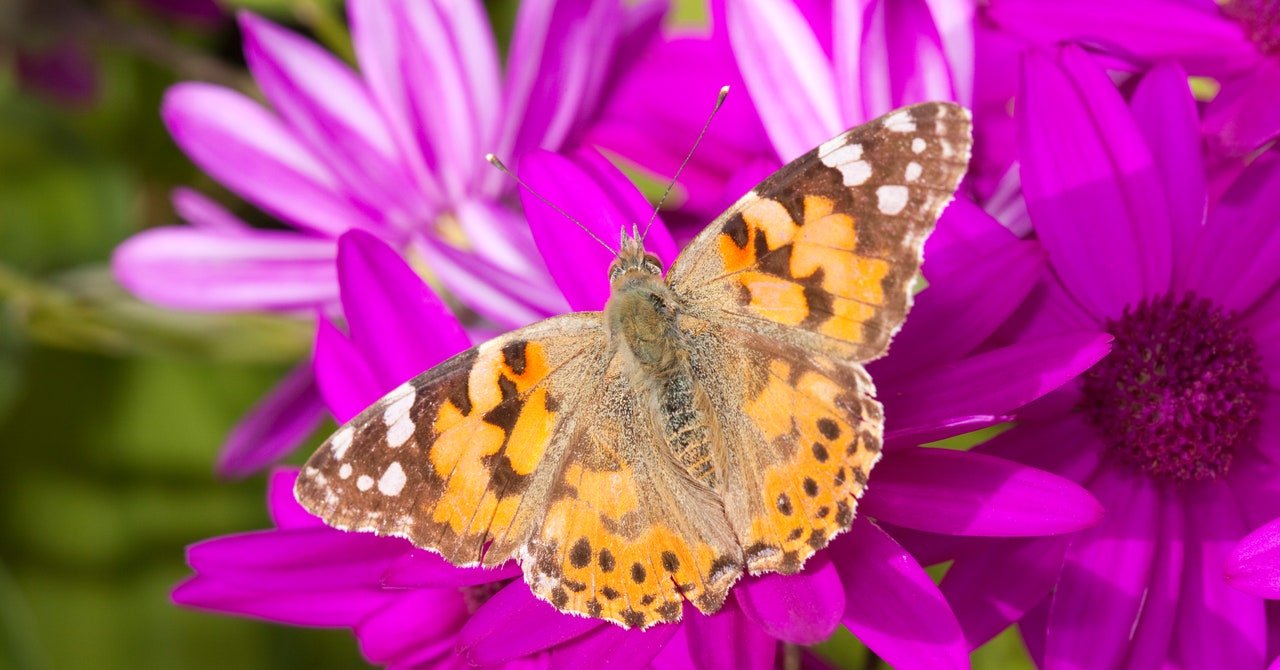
1180 394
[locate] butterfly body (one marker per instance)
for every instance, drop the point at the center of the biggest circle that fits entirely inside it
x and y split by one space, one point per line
710 423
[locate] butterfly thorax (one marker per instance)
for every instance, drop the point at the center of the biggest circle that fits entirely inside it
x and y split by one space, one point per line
642 317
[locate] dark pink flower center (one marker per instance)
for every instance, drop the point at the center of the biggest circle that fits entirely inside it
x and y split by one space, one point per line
1261 20
1181 390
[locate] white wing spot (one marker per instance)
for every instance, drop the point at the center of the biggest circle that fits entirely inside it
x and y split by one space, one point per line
364 482
345 471
392 481
914 170
834 144
900 122
917 145
398 409
892 199
848 160
341 441
400 432
947 151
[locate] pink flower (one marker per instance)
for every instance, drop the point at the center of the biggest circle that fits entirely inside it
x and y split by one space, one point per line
409 607
1175 431
396 149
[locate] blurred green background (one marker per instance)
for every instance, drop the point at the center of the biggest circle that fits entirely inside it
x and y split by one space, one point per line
112 412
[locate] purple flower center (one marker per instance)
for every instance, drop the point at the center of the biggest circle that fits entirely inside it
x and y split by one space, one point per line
1180 391
1261 20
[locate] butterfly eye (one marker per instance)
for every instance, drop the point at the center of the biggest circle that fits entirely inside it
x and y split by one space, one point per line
614 271
652 265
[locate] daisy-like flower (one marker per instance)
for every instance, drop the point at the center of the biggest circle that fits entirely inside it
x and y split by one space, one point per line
408 607
811 70
1175 431
1254 565
1237 42
396 149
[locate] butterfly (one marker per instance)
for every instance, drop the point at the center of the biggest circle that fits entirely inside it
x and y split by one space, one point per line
713 422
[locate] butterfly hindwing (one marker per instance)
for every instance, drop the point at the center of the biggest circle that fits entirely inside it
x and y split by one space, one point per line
831 243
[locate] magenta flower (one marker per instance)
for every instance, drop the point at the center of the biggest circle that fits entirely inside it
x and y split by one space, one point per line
1254 565
1176 430
397 150
809 71
1237 42
407 606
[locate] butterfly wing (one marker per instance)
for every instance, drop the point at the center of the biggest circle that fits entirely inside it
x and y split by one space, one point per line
803 430
461 456
532 446
825 251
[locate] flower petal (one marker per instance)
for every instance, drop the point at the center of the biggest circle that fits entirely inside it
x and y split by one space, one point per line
728 639
285 511
804 608
396 321
787 74
903 59
1235 257
1091 185
1153 632
965 493
922 406
1106 571
614 648
330 109
274 427
514 623
342 374
203 212
489 289
317 558
303 607
218 270
1149 31
423 569
1254 565
995 586
599 197
1244 116
1218 626
256 155
1166 115
413 622
900 614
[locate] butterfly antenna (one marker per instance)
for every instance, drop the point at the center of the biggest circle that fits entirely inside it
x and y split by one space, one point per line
498 164
724 92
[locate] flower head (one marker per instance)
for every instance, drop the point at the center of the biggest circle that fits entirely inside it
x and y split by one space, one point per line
1175 430
491 618
396 149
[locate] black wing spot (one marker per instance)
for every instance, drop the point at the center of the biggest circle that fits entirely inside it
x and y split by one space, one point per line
820 452
829 429
513 354
670 562
637 573
606 560
580 555
810 487
784 504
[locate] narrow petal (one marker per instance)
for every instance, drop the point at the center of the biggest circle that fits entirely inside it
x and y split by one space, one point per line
274 427
728 639
489 289
217 270
423 569
1105 574
253 153
285 511
1027 371
1153 633
330 109
899 613
1147 31
1091 184
414 621
787 74
1235 258
1066 445
343 376
304 607
1218 626
964 493
203 212
1166 115
903 59
804 608
954 22
600 198
316 558
997 585
396 321
514 623
971 293
1244 117
612 647
1254 565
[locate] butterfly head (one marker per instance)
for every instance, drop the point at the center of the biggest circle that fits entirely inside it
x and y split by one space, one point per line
633 258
